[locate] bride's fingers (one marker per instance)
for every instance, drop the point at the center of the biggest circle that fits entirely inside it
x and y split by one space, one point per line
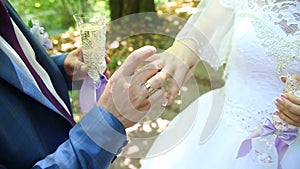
158 80
290 102
288 111
180 76
173 91
176 82
283 79
297 77
290 118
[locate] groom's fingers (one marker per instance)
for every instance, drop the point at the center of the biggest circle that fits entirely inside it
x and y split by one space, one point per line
139 79
136 58
173 91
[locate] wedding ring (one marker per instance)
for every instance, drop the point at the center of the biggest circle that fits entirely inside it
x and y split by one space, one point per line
148 87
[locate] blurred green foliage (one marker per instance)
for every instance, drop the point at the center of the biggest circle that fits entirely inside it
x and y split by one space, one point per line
56 15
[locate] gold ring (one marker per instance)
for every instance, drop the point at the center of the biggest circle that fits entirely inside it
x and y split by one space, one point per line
148 87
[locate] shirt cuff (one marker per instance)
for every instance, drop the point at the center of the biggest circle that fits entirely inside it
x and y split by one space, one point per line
105 130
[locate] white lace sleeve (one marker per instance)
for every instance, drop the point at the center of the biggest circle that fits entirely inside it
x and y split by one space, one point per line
230 3
210 28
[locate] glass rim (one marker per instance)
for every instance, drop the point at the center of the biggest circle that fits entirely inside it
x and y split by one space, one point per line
89 14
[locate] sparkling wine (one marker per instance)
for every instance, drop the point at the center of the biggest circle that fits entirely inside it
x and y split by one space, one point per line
93 47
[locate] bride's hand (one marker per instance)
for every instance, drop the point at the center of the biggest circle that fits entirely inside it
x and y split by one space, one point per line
174 63
288 106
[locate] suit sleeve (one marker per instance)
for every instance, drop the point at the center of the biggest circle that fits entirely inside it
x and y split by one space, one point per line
94 142
59 61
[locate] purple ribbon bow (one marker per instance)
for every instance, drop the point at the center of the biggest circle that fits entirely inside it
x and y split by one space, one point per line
282 141
90 92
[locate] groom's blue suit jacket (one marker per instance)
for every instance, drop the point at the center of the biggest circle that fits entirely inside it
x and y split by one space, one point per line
29 131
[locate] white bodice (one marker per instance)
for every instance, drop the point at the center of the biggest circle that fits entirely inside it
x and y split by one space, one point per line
265 44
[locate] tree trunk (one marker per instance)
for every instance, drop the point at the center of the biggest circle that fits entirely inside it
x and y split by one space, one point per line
116 9
147 6
119 8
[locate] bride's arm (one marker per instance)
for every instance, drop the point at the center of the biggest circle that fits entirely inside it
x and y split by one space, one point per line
199 39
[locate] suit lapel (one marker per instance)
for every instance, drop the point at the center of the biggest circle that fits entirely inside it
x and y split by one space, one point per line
42 57
12 74
7 71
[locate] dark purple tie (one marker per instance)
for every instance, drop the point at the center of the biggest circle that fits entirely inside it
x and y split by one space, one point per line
8 33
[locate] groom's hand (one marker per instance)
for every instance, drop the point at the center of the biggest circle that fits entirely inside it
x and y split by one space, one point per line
76 69
127 95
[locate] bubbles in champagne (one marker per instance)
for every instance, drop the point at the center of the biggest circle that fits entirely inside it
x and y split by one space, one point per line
93 47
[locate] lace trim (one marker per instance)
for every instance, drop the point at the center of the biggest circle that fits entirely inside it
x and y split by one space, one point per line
284 48
284 13
243 118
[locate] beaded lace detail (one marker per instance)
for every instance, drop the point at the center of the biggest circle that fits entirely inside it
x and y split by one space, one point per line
243 118
284 42
285 49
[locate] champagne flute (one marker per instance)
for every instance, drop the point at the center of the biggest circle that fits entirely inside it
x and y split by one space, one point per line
292 86
284 133
270 141
93 36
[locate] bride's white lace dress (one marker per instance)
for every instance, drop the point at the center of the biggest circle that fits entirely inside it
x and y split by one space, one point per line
264 43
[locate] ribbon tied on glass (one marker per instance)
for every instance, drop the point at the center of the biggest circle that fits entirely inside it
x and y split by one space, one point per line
273 133
93 36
